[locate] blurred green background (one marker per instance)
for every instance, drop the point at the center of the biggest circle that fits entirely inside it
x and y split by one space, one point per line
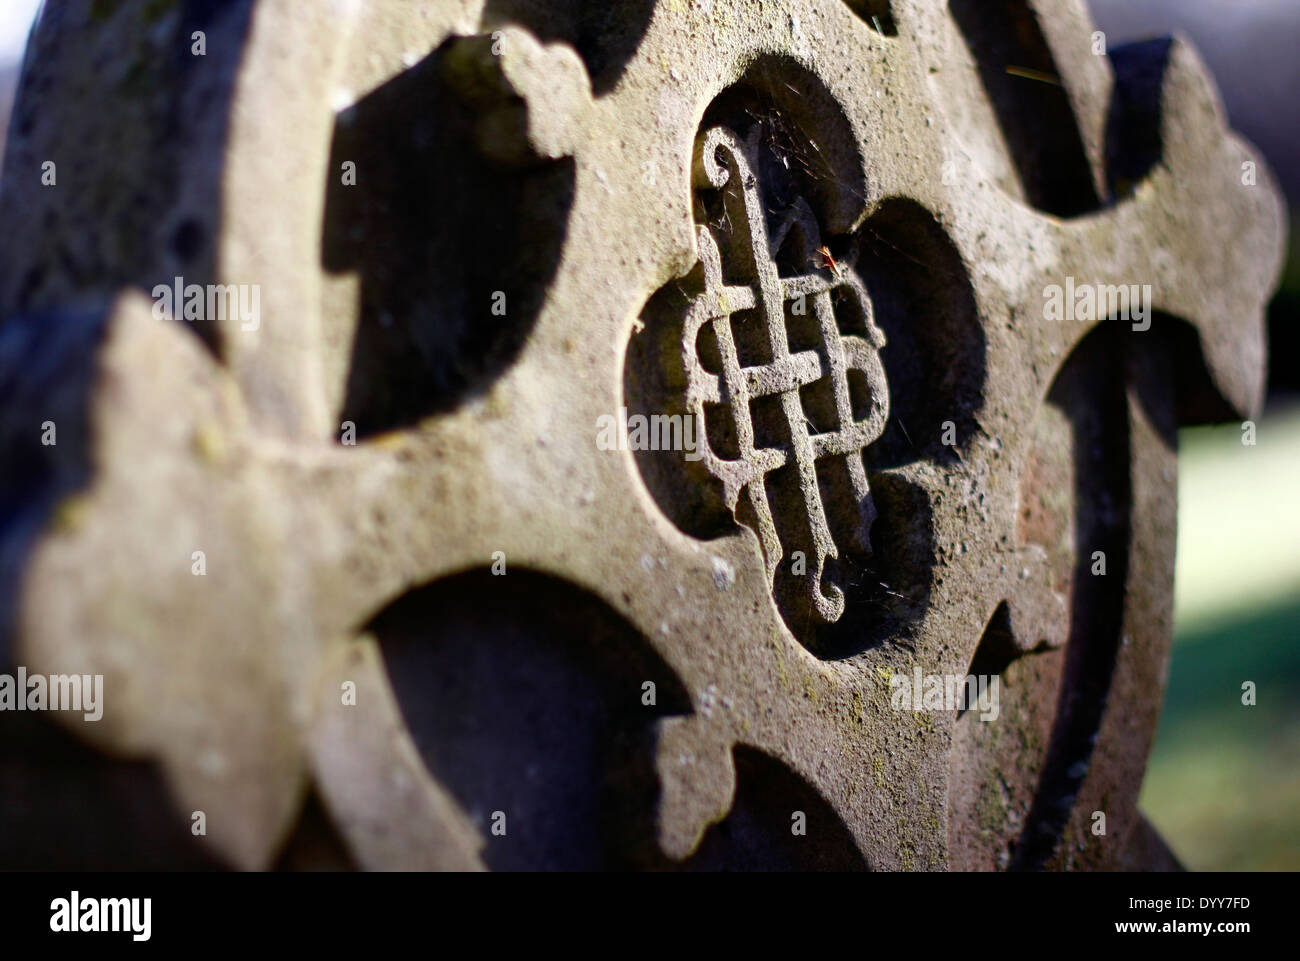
1223 785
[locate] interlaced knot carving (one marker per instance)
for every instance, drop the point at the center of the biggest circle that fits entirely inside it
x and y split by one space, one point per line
838 336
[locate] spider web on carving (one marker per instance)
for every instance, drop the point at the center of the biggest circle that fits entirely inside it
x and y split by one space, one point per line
736 385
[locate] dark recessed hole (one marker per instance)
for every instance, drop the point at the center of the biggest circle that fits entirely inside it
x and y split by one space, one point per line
188 239
803 330
818 402
770 427
749 329
785 496
720 428
315 844
1133 144
1033 109
876 13
654 381
859 394
843 512
524 695
934 355
806 148
792 260
850 318
757 836
706 348
996 650
1198 400
886 593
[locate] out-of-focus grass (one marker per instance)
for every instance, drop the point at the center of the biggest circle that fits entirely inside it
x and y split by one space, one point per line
1223 785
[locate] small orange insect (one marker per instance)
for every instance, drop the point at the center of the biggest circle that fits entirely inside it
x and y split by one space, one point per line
829 261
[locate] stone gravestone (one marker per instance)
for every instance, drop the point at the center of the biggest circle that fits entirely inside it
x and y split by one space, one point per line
568 435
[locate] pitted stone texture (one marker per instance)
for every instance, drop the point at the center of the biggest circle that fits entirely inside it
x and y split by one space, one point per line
317 552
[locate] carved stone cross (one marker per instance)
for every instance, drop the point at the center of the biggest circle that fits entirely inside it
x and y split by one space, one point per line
475 611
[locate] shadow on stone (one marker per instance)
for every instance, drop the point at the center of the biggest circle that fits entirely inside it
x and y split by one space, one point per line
1091 391
606 35
758 834
67 807
1034 111
886 593
47 367
935 350
454 255
148 153
524 695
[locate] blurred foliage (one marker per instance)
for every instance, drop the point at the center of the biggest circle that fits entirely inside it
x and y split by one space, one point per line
1223 785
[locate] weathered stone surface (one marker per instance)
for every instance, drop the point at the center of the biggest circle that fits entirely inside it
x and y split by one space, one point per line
627 176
